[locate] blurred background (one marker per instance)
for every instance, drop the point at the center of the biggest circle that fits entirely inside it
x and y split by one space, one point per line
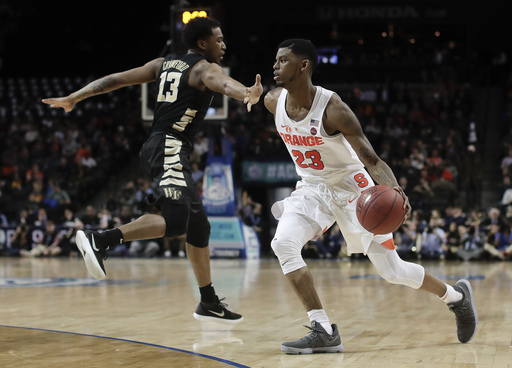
430 82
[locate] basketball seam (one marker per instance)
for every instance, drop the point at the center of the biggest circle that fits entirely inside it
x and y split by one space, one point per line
369 205
391 208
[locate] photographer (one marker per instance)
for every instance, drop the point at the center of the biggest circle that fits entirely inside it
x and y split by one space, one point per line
472 245
431 243
21 239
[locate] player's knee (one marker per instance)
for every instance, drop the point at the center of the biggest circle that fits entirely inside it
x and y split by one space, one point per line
402 273
199 228
288 254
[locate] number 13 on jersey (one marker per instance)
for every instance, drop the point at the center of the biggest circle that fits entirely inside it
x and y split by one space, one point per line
170 94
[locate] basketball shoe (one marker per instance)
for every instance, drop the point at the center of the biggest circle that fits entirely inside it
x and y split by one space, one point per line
318 341
216 312
465 311
93 253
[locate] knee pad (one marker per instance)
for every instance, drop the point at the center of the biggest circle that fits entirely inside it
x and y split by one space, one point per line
393 269
288 253
199 228
176 219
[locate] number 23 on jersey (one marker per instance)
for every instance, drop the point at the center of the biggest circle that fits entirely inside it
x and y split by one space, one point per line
308 159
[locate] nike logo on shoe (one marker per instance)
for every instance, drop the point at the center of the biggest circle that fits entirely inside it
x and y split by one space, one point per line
217 313
94 244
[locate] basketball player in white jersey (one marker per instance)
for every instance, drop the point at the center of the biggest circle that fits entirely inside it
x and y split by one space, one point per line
336 163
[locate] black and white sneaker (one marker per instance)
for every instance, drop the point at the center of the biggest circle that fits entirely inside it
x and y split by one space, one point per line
216 312
465 312
93 255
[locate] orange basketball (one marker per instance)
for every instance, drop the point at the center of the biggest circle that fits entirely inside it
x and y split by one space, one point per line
380 209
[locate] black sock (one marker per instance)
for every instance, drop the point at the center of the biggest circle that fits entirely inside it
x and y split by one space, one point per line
208 294
109 238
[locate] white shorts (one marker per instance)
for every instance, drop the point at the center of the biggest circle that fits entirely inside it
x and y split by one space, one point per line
325 204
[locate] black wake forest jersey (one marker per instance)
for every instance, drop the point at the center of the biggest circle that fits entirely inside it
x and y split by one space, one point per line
179 109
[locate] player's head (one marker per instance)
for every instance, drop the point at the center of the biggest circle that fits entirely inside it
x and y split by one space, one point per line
203 34
294 57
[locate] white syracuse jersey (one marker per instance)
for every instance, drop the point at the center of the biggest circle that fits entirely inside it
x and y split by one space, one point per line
316 154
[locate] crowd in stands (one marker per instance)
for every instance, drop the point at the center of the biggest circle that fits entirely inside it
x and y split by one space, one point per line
52 164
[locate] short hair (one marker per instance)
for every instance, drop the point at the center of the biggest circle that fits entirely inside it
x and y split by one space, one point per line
199 28
300 46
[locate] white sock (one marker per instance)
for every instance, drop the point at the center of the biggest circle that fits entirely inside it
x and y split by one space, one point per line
320 316
451 295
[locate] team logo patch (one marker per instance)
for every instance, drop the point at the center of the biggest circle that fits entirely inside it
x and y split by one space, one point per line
288 129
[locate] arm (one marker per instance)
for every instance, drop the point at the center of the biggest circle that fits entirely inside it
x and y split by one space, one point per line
215 79
143 74
339 118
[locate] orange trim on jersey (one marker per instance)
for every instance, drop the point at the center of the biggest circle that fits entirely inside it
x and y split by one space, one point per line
390 244
325 229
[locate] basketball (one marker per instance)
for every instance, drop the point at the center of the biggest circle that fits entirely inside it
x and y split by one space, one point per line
380 209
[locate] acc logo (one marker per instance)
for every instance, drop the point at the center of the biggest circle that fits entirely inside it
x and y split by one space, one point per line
288 129
313 131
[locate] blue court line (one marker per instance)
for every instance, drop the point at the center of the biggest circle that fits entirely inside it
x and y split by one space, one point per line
135 342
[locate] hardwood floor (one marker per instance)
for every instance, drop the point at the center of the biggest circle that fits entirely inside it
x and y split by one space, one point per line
53 314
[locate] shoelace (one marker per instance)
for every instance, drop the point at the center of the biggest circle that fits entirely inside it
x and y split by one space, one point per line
312 334
224 305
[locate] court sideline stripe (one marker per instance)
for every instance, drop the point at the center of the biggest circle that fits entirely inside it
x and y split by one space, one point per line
134 342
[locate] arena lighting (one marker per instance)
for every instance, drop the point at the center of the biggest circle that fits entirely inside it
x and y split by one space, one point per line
187 15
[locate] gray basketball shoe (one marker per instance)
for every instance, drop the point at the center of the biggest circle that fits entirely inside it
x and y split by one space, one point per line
318 341
465 311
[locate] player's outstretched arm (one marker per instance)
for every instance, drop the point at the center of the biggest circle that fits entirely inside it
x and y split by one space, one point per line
144 74
216 79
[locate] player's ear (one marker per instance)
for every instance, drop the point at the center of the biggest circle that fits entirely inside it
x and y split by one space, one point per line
201 44
305 64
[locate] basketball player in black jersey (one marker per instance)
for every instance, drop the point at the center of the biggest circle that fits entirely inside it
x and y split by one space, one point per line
186 87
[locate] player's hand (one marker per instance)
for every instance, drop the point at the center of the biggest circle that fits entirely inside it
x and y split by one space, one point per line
253 93
63 102
407 205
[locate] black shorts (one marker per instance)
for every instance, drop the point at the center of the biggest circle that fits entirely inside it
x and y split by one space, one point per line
166 160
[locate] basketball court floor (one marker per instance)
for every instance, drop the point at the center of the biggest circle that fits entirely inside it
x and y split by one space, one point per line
54 315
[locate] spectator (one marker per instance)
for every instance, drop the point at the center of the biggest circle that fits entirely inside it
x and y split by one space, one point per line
472 245
34 174
494 217
490 246
507 191
405 240
503 239
453 239
42 217
90 218
57 194
506 163
127 197
197 173
21 240
431 243
329 244
36 196
471 177
50 244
